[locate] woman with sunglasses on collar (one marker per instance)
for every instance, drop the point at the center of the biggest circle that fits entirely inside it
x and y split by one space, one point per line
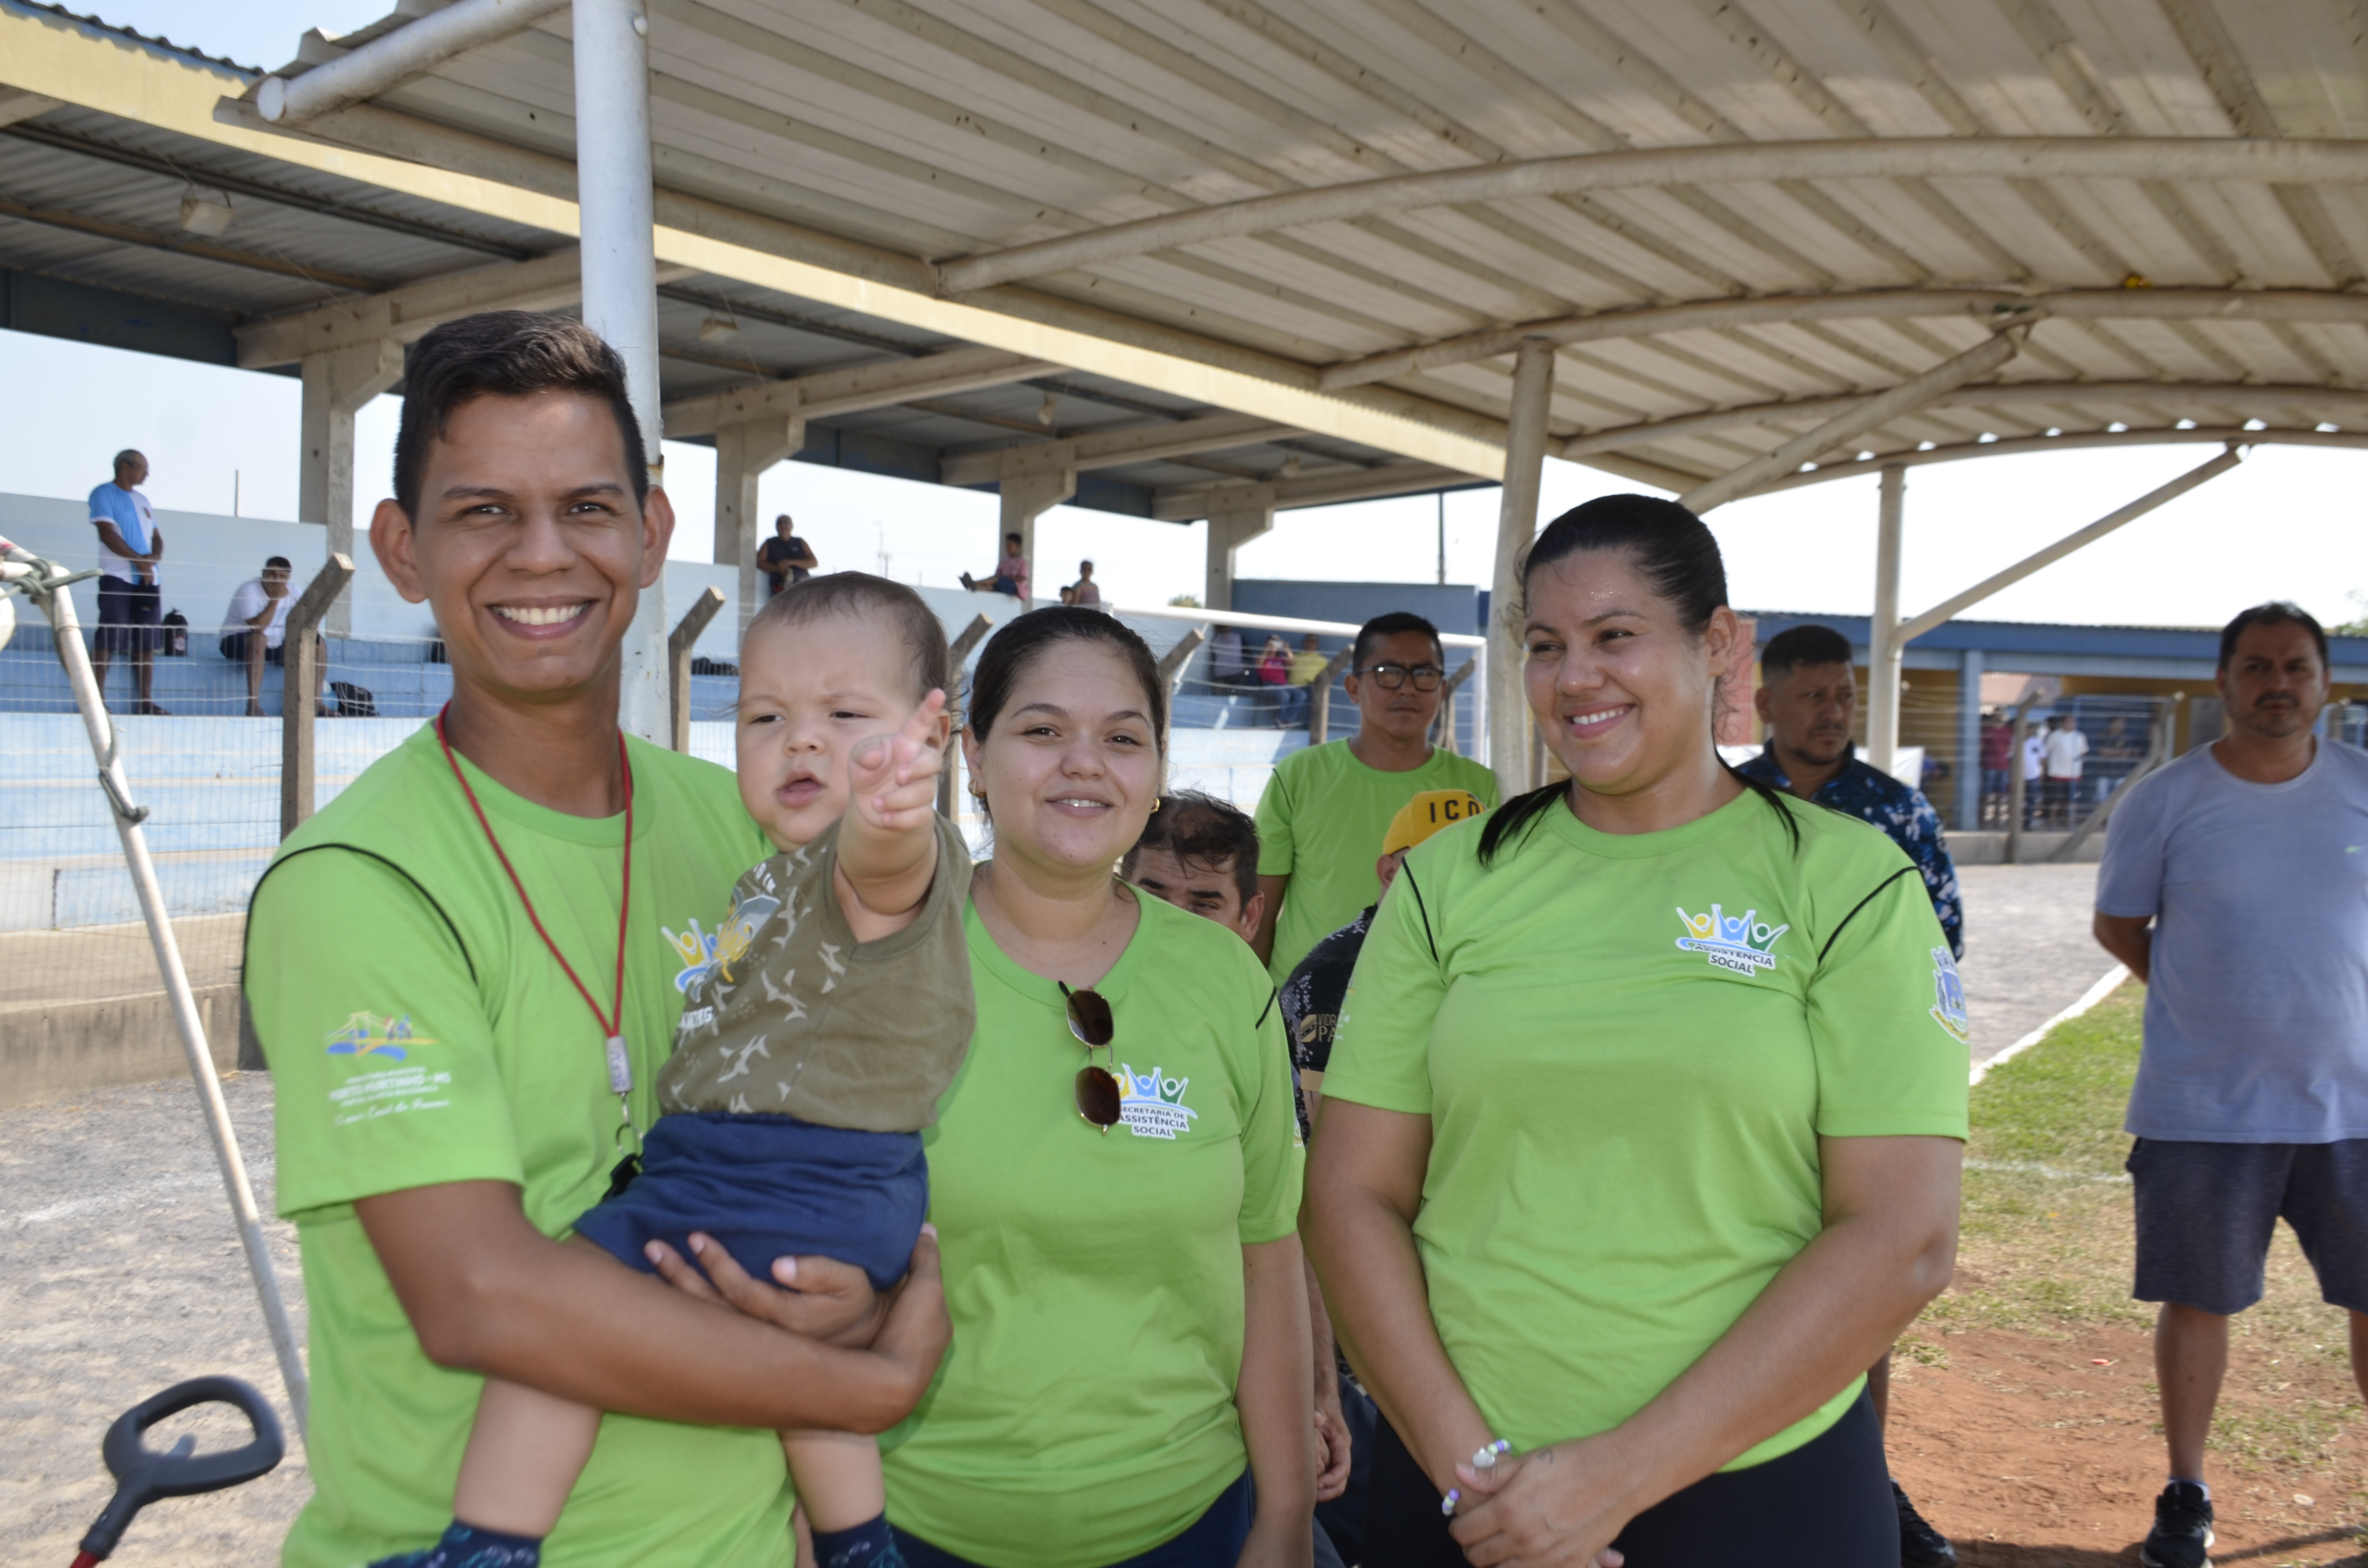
1642 1127
1115 1173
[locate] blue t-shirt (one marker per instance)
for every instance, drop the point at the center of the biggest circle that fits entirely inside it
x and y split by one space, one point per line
130 512
2257 1016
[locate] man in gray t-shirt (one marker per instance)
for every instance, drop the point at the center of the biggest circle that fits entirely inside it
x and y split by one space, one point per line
2249 859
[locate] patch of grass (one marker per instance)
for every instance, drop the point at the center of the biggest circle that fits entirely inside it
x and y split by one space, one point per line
2048 1238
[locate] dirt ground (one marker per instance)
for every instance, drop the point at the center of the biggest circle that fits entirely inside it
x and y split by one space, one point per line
2028 1454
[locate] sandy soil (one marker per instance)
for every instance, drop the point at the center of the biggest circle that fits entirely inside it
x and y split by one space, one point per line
2029 1454
120 1274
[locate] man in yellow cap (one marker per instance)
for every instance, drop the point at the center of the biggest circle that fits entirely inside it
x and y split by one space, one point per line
1311 1002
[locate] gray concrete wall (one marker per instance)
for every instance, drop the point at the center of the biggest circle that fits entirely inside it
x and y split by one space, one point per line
56 1050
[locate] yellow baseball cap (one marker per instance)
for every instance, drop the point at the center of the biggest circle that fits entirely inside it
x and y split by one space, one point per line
1425 814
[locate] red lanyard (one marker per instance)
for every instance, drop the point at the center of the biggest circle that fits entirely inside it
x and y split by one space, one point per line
620 1065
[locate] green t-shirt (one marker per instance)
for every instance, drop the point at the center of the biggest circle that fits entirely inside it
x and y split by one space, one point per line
1320 823
1629 1046
420 1033
1086 1411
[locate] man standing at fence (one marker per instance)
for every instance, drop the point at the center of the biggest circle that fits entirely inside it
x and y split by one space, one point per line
1808 699
130 545
1328 806
467 970
2249 859
2064 748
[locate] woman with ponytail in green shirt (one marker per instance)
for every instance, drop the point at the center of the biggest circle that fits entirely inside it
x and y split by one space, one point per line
1641 1132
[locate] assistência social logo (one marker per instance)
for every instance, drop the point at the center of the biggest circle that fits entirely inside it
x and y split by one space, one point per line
1739 944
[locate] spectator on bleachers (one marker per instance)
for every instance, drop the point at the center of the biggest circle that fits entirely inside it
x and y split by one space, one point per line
1309 661
129 544
1274 662
1228 666
1010 574
2062 750
785 558
255 627
1087 593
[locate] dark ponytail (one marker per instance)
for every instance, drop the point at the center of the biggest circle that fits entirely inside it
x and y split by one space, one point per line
1679 560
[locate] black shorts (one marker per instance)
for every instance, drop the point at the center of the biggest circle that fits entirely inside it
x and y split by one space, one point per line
126 616
235 646
1826 1504
2205 1212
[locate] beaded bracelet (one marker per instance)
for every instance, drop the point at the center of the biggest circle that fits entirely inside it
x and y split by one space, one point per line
1484 1460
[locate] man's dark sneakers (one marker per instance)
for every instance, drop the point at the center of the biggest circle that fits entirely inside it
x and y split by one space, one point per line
1920 1546
2183 1529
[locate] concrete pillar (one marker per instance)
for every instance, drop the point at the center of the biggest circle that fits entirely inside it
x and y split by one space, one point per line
337 382
1517 524
743 452
1968 805
1883 644
1028 495
621 299
1229 531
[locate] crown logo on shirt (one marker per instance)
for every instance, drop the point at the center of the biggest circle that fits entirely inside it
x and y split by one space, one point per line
1739 943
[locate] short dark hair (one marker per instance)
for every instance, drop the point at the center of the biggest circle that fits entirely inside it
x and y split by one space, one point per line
278 561
1202 830
129 455
1389 625
2277 612
1808 643
859 596
1013 539
507 354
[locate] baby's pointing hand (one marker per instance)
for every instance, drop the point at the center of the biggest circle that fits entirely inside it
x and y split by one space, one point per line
893 779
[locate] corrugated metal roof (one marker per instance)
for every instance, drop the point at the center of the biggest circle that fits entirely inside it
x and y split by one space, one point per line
931 131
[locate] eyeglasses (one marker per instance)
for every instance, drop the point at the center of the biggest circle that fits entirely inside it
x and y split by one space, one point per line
1089 1020
1394 676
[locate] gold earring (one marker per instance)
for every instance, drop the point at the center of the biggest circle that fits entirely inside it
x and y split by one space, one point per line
1154 805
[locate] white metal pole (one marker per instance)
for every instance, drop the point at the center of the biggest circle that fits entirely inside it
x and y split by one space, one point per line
620 290
67 626
1883 649
1517 523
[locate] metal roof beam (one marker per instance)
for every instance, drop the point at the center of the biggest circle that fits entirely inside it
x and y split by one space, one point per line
852 390
2304 306
1145 443
406 314
2249 159
182 245
17 103
392 58
1185 505
1866 414
2020 446
2256 401
1916 626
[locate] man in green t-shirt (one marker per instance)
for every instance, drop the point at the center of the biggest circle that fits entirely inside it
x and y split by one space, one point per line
1328 806
466 974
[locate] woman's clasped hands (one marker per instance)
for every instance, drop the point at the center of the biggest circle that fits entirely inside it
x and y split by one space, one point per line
1558 1506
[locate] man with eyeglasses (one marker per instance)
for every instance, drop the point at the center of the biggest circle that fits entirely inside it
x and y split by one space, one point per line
1329 805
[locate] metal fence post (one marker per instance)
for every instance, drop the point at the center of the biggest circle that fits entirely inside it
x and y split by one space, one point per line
678 645
298 671
1446 702
1319 698
948 779
2018 788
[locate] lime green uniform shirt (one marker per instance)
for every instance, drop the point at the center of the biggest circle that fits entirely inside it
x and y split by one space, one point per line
1086 1411
420 1033
1628 1046
1320 823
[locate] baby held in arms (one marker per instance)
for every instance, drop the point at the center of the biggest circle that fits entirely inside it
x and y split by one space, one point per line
812 1049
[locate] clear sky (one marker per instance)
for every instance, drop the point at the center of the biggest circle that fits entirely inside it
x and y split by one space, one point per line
2288 524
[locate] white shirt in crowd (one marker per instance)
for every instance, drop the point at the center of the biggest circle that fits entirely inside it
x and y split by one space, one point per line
2065 749
2034 755
248 602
